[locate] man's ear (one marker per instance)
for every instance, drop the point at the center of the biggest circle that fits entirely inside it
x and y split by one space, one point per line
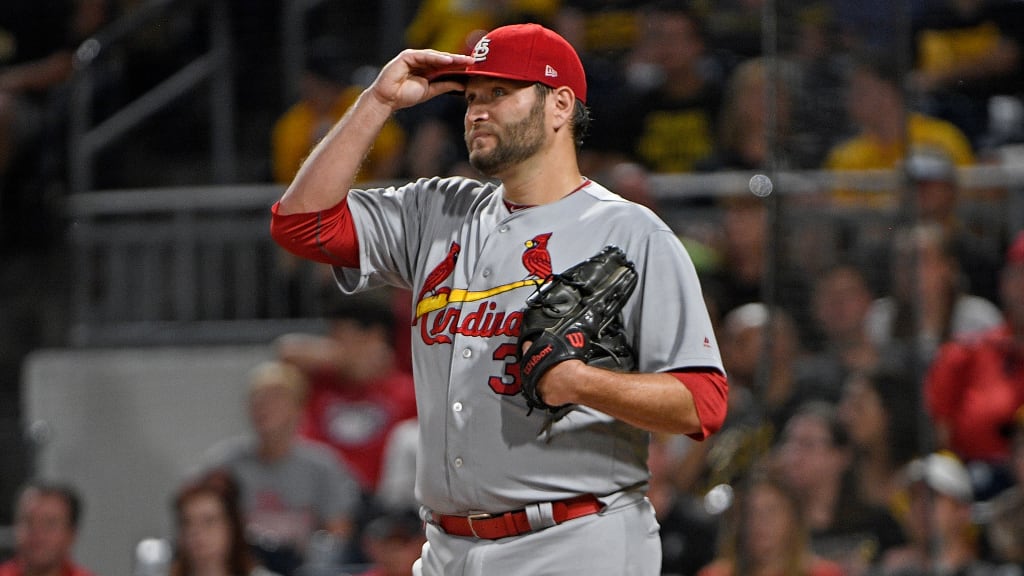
565 104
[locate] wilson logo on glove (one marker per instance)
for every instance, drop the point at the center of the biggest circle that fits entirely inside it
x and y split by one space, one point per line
536 358
576 339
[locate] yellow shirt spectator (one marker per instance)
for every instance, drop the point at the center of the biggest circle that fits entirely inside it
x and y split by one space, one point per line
302 126
865 152
886 130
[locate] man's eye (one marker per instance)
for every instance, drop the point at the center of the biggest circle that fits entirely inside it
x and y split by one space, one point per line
498 92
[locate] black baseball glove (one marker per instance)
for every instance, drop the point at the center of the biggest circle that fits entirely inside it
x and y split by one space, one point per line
577 315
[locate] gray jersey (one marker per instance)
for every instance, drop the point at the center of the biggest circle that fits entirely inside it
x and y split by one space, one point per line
470 264
285 501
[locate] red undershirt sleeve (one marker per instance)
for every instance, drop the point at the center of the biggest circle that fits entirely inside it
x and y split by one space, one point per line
328 236
710 391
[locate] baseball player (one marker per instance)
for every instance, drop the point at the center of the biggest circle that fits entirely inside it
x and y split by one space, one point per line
507 487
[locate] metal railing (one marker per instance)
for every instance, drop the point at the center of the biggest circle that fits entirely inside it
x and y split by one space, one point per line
185 266
87 139
197 265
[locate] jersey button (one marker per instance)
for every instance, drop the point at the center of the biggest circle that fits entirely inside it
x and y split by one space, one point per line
458 462
485 273
457 406
503 229
467 353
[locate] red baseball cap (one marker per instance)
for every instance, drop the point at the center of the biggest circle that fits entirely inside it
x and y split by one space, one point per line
528 52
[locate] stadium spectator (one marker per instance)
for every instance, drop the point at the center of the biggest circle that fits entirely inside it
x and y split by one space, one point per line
47 517
886 128
840 300
926 304
815 457
739 274
819 115
779 383
290 487
328 87
942 537
967 51
667 124
933 181
210 533
762 398
973 385
392 542
766 534
880 413
751 131
357 393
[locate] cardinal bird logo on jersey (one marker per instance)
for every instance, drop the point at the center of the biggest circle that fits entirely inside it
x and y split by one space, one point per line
536 258
442 312
441 272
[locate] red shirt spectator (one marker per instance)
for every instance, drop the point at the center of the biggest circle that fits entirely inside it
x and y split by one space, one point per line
355 419
974 385
358 391
972 390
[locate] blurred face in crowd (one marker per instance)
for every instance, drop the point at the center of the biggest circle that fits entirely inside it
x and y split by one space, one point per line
841 301
933 514
672 41
742 350
922 270
362 346
43 533
395 554
807 454
320 93
205 531
936 200
274 408
867 95
744 224
862 413
771 521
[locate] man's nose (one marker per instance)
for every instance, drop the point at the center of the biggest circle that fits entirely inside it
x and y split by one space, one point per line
476 113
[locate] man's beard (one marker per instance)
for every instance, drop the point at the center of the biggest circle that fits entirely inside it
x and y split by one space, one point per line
521 141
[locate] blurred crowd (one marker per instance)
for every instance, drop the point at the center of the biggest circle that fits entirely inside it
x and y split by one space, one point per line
876 362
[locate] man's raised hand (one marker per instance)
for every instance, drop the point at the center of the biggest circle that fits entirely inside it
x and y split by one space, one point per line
406 80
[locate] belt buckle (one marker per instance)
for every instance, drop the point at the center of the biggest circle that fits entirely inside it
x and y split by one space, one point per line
477 516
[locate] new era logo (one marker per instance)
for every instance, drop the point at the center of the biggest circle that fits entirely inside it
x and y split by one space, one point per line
550 72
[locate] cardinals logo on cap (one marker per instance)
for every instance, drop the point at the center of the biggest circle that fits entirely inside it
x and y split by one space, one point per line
483 47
